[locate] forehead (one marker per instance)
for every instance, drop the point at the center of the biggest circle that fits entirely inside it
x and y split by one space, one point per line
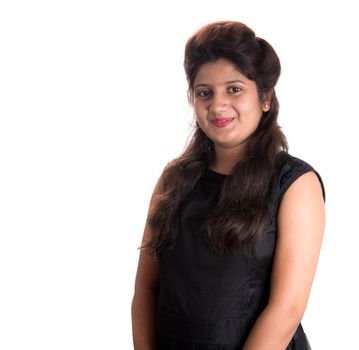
218 72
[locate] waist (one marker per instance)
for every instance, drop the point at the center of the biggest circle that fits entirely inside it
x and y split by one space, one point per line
228 331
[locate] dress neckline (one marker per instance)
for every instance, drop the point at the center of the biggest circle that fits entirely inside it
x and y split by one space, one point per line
216 173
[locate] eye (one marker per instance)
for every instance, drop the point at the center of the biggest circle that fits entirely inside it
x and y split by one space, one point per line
234 89
203 93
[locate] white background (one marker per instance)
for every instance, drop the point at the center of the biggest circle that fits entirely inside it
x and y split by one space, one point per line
93 105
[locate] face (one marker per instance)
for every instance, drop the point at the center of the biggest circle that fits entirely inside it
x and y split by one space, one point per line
226 104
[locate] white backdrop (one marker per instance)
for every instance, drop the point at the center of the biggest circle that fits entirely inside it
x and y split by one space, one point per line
93 105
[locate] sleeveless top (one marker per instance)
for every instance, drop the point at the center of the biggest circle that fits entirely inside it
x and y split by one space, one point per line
209 301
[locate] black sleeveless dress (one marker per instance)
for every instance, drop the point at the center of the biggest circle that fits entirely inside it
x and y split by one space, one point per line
209 301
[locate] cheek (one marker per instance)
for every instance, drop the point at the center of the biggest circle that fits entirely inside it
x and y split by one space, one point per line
250 108
250 103
199 109
202 124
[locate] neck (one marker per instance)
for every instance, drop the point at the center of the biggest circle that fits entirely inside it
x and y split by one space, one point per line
226 159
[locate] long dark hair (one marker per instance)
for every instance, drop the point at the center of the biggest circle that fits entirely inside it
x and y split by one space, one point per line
242 212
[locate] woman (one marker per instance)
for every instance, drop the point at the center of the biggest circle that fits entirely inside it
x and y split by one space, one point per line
235 223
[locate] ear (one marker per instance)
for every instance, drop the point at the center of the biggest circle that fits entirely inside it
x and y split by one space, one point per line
265 106
266 101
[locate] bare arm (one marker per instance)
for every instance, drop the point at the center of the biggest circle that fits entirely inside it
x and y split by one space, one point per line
301 221
146 290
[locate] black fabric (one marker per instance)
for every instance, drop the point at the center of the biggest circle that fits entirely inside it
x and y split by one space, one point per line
208 301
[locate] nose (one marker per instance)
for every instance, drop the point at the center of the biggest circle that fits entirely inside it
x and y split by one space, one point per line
219 103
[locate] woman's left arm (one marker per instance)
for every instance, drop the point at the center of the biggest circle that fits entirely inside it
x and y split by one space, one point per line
301 221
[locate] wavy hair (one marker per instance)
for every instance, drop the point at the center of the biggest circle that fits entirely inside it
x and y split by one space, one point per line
242 212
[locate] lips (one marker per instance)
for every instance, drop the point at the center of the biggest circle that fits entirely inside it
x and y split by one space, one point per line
222 122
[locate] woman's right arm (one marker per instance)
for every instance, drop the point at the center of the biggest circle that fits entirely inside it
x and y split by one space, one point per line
144 301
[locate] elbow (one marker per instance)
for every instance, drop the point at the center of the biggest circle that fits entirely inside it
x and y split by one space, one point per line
144 293
295 314
290 313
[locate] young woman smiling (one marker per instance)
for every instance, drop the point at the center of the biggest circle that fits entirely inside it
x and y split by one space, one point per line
235 223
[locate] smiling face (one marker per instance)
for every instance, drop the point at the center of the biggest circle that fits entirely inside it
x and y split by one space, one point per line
227 105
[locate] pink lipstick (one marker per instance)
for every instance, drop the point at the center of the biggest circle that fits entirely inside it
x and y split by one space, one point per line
222 122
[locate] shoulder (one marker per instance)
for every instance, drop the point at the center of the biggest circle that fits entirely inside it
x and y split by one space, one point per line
289 169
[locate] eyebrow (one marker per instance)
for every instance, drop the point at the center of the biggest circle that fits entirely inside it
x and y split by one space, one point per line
225 83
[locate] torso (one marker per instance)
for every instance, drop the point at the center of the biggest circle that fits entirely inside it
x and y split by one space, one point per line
206 298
